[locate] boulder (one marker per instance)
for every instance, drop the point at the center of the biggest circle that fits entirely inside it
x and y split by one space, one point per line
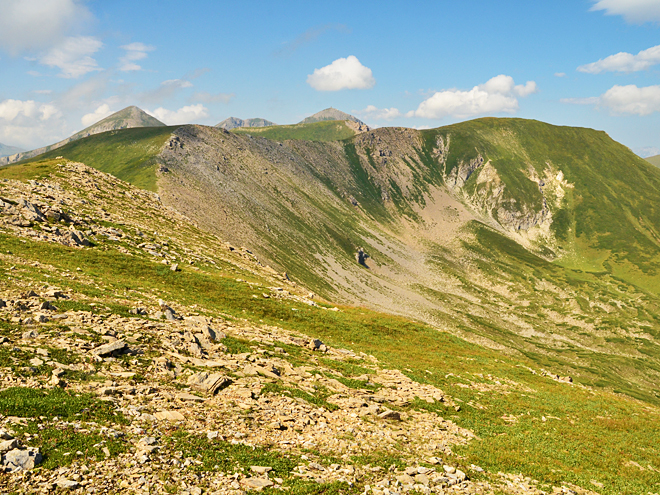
207 383
108 349
21 460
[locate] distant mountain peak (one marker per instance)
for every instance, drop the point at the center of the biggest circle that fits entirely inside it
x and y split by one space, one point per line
233 123
331 114
6 150
123 119
126 118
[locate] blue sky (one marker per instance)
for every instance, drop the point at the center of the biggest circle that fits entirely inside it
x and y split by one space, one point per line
593 63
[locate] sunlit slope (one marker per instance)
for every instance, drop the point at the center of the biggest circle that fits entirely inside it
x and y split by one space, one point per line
567 193
525 423
327 130
129 154
530 238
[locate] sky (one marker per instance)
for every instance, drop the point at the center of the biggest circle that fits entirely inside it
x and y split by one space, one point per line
65 64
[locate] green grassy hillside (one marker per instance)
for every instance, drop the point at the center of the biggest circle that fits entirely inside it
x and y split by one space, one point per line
535 239
128 154
608 218
329 130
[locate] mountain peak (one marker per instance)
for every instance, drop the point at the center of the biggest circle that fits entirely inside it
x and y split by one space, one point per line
331 114
123 119
126 118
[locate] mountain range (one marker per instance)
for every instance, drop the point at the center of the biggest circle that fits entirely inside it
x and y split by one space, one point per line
509 261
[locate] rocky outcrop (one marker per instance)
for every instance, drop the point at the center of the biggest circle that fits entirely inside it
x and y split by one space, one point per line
233 123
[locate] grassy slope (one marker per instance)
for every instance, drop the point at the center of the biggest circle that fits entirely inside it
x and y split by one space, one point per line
609 221
617 355
559 433
127 154
318 131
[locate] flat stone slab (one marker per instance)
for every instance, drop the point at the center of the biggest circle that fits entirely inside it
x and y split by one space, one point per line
256 483
107 349
169 416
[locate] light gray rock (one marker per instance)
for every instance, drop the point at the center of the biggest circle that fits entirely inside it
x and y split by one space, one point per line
207 383
30 334
261 469
20 460
67 484
107 349
256 483
393 415
7 445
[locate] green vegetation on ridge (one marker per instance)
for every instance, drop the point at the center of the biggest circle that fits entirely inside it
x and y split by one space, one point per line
327 130
128 154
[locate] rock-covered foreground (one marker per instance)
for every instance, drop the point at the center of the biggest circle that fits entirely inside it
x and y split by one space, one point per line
194 400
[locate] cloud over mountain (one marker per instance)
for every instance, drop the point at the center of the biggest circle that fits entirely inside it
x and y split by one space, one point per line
343 73
184 115
497 95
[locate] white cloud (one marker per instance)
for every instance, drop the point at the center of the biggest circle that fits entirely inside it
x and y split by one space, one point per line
343 73
100 113
629 100
529 88
624 62
184 115
34 25
48 111
73 56
497 95
25 123
372 112
134 52
632 100
560 74
635 11
11 109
